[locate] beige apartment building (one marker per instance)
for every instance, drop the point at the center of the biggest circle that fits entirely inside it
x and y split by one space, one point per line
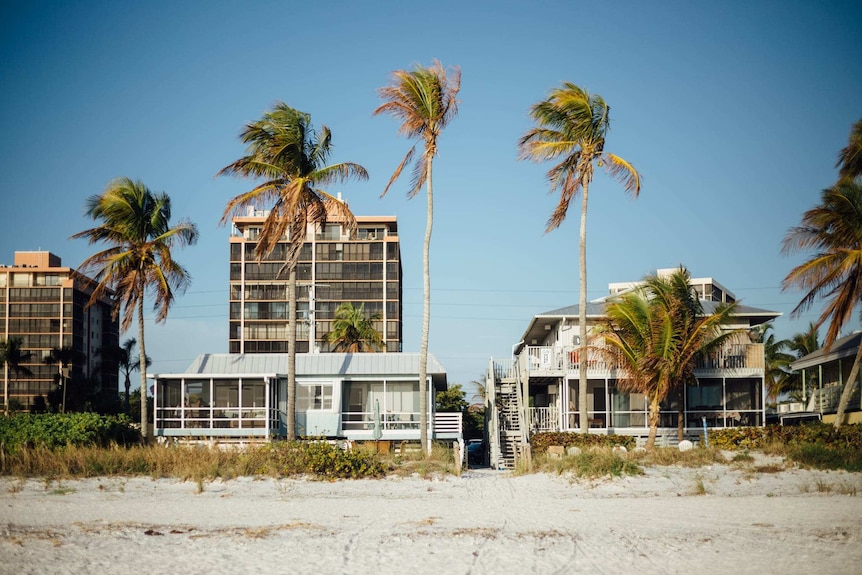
45 305
333 268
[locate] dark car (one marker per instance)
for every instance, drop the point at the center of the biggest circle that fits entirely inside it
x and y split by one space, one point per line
475 452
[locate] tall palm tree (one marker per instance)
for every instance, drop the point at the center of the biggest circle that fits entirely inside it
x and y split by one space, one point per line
659 331
850 157
425 100
135 223
572 125
833 230
13 358
127 362
290 157
353 331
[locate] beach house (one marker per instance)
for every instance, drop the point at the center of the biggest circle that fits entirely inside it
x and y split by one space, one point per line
537 388
242 397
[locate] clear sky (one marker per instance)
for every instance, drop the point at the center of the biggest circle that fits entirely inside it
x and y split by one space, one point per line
733 112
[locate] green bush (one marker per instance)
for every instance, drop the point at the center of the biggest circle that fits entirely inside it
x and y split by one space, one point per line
53 430
541 441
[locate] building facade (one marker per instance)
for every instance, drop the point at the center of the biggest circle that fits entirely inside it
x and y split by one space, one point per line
45 305
537 389
333 268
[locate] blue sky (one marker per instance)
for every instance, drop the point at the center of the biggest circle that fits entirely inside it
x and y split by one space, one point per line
733 112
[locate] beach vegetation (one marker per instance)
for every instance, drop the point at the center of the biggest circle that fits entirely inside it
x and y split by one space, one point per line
657 332
832 230
136 225
425 101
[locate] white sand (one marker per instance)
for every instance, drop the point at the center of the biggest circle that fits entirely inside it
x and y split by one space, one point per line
794 521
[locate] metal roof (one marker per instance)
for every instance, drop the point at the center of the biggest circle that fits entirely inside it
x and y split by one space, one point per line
318 364
843 347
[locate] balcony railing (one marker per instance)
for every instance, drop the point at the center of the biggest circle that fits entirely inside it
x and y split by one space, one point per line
568 359
544 418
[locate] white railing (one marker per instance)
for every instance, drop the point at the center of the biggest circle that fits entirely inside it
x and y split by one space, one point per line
567 359
544 418
445 422
504 368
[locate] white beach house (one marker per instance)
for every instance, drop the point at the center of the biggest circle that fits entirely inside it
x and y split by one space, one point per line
359 396
537 389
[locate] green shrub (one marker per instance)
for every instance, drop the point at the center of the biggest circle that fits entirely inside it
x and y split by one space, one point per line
541 441
53 430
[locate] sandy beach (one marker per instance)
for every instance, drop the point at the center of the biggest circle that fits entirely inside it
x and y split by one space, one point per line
793 521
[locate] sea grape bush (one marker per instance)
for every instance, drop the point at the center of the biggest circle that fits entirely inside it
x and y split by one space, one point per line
53 430
541 441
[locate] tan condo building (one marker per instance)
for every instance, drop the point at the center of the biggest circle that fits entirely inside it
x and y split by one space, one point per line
333 268
45 305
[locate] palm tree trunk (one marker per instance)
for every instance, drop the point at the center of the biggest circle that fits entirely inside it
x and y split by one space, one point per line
680 413
291 354
145 424
426 319
128 384
849 386
653 421
6 387
583 414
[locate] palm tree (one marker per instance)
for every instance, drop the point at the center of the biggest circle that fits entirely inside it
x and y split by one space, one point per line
64 358
659 331
425 100
127 362
850 157
571 128
833 230
13 357
352 331
776 360
800 345
135 223
290 156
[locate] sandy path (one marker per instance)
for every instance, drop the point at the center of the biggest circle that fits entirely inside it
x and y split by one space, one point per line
483 522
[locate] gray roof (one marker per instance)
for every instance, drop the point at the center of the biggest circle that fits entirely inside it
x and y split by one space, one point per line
309 364
597 309
843 347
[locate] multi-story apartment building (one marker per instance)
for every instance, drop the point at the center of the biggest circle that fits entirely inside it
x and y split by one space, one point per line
45 305
333 268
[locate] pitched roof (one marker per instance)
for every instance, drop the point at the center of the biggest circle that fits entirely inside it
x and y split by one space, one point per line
843 347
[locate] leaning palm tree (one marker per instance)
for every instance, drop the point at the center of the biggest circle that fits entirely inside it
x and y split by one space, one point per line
694 331
425 100
13 357
290 157
135 223
658 332
571 128
833 230
353 331
127 362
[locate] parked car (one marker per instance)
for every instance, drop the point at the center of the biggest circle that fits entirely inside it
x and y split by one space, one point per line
475 452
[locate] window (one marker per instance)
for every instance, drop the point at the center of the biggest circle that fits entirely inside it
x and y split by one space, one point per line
310 397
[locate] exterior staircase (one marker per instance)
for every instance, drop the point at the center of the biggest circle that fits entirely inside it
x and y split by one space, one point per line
506 428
